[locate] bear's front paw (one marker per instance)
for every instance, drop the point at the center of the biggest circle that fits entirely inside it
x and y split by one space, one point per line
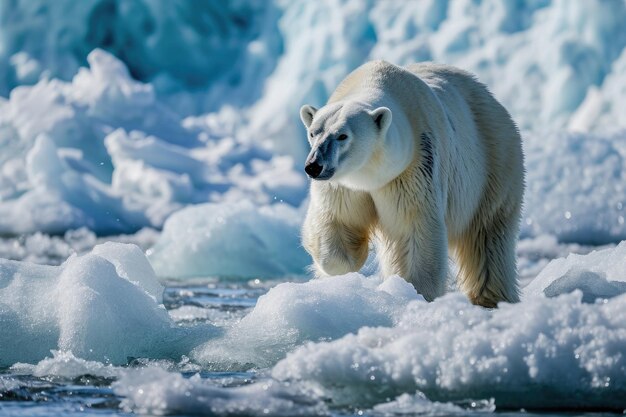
336 264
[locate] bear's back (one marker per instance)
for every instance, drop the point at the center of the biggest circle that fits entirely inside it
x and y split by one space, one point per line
376 76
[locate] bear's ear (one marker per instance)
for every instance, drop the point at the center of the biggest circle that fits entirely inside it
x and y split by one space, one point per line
382 118
306 114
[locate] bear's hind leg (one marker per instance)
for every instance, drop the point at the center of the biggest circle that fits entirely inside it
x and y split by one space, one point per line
486 253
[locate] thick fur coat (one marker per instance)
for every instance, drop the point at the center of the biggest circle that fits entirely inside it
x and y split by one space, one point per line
421 159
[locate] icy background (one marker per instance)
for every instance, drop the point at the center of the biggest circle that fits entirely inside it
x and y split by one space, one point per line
175 127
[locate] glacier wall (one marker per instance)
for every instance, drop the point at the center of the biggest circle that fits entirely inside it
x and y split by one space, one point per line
119 113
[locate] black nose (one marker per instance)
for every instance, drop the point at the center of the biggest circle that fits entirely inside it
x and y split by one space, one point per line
313 169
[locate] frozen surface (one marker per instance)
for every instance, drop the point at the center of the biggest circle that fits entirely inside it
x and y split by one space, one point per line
173 47
100 306
345 342
234 240
543 353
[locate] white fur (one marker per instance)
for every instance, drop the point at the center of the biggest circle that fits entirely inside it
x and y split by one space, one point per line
429 159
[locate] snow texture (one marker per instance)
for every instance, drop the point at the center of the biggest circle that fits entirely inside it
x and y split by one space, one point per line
599 274
105 153
576 187
560 352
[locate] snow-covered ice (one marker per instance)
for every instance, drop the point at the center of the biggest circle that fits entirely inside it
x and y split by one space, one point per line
542 353
103 152
576 187
95 147
599 274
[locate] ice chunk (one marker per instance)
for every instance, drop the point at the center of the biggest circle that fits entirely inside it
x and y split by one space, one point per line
155 391
599 274
293 313
66 365
451 350
231 240
94 308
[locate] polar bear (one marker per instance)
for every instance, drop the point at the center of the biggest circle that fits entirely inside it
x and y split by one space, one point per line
421 159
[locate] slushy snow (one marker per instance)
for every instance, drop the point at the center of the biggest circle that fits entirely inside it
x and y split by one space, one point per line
155 391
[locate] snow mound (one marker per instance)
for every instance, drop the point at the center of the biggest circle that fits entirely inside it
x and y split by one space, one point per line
542 353
103 152
576 187
100 306
599 274
231 240
155 391
293 313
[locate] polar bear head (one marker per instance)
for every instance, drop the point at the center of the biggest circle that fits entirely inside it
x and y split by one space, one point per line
343 137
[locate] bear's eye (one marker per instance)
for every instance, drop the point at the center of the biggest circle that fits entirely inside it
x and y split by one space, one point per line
342 137
311 134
